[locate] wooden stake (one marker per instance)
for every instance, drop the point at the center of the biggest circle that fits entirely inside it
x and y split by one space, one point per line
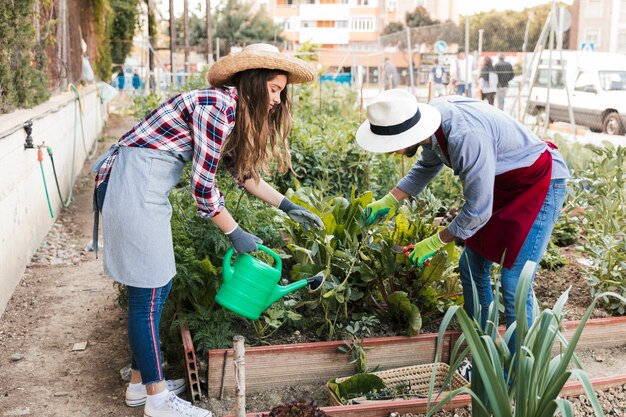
240 376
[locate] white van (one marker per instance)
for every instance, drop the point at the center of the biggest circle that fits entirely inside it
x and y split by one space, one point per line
597 87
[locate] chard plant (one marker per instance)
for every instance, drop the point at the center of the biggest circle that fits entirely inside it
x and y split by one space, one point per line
364 272
527 381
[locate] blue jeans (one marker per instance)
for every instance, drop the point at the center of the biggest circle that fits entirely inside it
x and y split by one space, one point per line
145 306
460 90
473 265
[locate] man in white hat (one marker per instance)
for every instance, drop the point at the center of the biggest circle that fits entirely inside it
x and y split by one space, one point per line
513 184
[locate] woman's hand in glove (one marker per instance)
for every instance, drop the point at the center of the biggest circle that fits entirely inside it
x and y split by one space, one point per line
242 241
301 215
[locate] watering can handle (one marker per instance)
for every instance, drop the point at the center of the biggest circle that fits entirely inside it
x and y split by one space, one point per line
227 268
278 265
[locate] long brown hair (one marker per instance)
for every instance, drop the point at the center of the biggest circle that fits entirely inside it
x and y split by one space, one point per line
246 149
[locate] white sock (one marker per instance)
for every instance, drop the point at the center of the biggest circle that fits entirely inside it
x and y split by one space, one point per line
157 401
139 387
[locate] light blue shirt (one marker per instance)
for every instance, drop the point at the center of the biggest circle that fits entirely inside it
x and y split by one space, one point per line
482 142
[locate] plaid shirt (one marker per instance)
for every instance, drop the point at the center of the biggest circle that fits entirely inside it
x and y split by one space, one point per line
198 121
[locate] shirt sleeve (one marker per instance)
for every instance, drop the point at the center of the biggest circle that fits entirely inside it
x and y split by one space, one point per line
473 157
210 124
425 169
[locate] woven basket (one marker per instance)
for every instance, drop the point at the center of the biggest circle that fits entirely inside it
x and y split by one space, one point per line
416 377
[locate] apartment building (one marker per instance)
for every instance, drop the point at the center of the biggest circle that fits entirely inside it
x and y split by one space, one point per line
348 30
600 25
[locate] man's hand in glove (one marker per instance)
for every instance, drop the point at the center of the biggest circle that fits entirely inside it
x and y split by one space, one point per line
425 249
301 215
242 241
386 206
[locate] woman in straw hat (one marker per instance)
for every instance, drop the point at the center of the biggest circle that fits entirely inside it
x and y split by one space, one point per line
243 118
513 184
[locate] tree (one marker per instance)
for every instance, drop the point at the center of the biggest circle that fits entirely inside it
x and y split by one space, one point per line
123 29
504 31
393 27
197 30
419 17
236 26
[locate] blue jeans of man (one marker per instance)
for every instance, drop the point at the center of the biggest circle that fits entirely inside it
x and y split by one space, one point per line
145 306
460 89
474 266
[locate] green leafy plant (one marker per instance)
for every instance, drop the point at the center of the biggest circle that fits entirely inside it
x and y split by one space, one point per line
528 380
553 260
600 198
356 332
362 269
566 231
272 319
356 386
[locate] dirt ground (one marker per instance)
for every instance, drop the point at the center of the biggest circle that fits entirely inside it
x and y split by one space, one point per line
64 300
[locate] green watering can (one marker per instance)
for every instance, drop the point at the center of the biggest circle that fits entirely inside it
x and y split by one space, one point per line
250 286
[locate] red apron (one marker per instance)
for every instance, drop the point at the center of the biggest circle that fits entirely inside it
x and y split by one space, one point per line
517 199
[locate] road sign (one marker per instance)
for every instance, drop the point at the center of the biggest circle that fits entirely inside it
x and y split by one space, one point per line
441 47
587 46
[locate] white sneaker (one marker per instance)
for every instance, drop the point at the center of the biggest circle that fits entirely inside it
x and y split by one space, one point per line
137 398
465 369
175 407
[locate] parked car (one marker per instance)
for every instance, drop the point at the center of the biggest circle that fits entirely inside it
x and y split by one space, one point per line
596 83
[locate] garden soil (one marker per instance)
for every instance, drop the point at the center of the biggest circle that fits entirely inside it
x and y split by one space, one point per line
63 338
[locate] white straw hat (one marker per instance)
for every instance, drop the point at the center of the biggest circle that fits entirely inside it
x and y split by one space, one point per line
259 55
395 120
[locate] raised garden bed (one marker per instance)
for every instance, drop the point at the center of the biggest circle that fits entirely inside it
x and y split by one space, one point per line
315 363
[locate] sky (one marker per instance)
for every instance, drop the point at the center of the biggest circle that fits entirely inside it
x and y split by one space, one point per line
465 6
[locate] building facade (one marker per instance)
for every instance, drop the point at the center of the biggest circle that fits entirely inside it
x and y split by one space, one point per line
348 31
600 25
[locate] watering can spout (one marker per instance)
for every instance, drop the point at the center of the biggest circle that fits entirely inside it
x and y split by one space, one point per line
280 291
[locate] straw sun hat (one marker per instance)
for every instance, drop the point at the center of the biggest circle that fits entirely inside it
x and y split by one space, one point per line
395 120
259 55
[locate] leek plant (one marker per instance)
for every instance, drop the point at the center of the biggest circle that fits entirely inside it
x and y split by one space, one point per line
527 381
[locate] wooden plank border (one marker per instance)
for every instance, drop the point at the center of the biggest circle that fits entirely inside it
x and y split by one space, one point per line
571 389
316 362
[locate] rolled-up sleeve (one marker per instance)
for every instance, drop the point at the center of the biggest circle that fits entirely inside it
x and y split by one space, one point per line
475 164
210 123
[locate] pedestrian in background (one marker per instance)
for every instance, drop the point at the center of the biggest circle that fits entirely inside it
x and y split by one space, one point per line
462 73
391 75
121 80
242 120
505 74
438 78
488 81
136 82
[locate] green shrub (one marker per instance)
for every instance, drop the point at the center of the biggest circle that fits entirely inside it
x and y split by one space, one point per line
22 73
600 197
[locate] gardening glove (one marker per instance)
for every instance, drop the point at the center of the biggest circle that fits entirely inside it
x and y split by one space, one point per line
242 241
425 249
386 206
300 215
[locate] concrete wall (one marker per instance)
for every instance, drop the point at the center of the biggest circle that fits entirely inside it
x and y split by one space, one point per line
24 215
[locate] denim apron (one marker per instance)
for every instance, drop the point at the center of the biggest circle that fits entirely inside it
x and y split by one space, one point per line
136 214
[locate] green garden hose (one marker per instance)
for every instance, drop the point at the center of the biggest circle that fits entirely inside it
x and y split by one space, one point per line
45 185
